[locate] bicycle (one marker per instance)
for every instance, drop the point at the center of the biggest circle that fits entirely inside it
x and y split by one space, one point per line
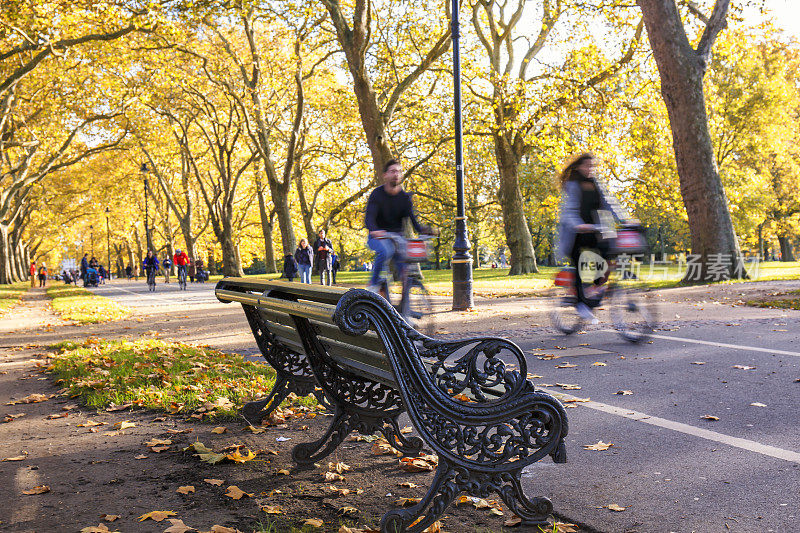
632 316
182 277
151 279
415 303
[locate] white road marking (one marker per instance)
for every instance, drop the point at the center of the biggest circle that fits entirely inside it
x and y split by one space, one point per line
722 345
745 444
205 299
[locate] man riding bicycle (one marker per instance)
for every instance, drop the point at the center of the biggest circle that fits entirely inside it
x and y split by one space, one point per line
180 260
387 207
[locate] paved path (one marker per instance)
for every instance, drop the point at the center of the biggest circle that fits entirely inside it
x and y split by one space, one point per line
669 468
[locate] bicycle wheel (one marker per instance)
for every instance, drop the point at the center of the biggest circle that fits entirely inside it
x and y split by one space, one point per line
151 281
564 317
419 308
633 317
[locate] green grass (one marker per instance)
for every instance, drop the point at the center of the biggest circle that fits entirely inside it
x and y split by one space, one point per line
495 282
10 295
160 375
74 303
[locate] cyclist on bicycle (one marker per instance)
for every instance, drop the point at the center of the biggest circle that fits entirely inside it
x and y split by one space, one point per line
387 207
585 206
150 264
180 260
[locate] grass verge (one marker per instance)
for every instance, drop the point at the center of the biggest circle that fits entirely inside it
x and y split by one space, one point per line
10 295
80 305
786 300
162 376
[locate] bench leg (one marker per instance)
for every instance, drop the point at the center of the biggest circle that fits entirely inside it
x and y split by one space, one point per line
341 426
533 512
408 446
441 494
254 412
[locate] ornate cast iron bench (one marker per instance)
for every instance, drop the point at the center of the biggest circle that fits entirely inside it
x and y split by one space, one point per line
353 351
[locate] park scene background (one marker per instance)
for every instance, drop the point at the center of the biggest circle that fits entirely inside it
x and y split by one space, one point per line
248 127
232 130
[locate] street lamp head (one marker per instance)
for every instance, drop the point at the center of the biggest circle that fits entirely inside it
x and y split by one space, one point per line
108 211
144 168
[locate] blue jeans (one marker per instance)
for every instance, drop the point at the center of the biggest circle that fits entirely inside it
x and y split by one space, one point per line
305 273
384 250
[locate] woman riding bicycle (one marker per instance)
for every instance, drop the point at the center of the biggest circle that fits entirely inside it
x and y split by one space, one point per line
583 205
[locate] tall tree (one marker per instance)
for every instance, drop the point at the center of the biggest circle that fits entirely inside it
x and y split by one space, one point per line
682 68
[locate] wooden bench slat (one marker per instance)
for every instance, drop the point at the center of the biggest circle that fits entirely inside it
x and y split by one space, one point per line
314 293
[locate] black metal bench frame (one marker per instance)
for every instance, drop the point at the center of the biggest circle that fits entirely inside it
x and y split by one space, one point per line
483 441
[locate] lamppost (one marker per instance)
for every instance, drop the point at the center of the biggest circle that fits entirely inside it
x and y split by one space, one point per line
108 243
144 170
91 240
462 260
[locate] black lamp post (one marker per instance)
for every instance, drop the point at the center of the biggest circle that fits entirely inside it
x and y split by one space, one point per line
462 260
108 243
144 170
91 240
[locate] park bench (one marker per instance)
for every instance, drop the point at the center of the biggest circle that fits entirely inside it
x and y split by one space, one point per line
469 400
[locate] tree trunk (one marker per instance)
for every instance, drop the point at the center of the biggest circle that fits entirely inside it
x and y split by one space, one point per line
231 263
6 273
518 237
787 254
267 226
681 69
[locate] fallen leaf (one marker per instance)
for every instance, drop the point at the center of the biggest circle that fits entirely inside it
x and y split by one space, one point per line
563 527
17 457
496 512
216 482
566 365
709 417
56 416
254 430
39 489
237 456
332 476
407 502
624 392
186 489
272 509
122 407
31 398
599 446
178 526
338 467
159 449
513 521
236 493
576 400
758 404
284 472
744 367
125 424
141 456
314 522
408 485
568 386
382 447
91 423
99 528
347 511
158 442
219 430
423 463
615 507
222 529
599 363
109 517
157 516
406 429
698 362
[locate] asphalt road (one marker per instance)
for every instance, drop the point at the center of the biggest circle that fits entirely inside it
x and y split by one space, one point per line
669 468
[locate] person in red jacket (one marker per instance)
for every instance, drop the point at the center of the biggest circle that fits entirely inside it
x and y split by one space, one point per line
33 273
180 260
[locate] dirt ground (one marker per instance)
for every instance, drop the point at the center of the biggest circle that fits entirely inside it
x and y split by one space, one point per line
92 471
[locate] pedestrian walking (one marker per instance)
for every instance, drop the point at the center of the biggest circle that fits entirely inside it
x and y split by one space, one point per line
289 267
84 265
166 264
323 251
128 272
191 270
42 275
304 256
335 266
33 274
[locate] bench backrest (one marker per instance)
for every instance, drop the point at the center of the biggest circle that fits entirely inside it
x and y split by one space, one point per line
277 302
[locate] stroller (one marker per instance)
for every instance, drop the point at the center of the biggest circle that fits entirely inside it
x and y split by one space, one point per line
92 278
